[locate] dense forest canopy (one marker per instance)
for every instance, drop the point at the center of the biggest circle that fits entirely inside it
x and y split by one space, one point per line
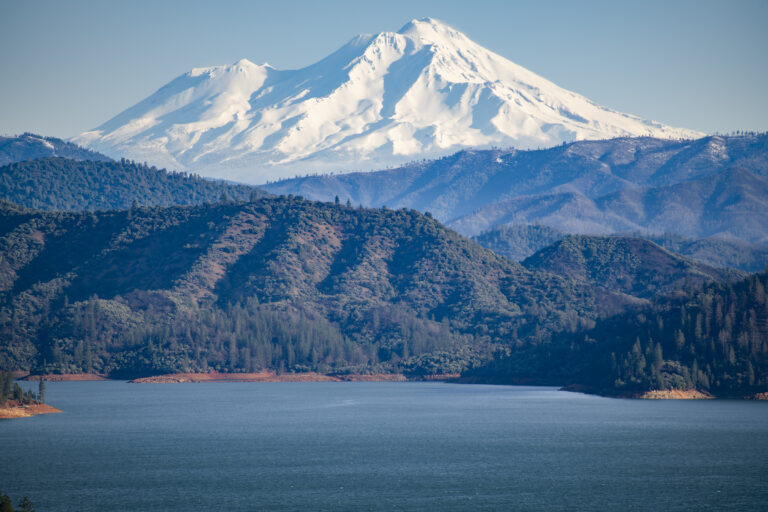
55 183
633 266
714 339
278 283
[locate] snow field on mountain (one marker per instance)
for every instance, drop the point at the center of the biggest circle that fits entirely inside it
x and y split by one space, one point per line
379 100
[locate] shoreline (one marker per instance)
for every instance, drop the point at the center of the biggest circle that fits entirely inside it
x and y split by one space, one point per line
174 378
26 411
674 394
63 377
272 376
653 394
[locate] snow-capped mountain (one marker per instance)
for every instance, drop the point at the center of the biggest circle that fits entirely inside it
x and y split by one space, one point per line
379 100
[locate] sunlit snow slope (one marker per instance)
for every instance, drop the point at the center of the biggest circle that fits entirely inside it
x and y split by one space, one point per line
383 99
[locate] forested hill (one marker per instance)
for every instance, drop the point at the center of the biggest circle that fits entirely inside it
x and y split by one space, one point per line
714 340
519 241
55 183
628 265
278 283
714 186
29 146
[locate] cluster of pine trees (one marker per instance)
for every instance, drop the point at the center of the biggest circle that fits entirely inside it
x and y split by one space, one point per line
6 505
10 390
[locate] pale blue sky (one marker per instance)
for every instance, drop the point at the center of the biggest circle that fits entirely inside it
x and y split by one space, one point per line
66 67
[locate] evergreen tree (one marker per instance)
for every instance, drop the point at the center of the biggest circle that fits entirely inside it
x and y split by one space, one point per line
5 503
6 382
25 505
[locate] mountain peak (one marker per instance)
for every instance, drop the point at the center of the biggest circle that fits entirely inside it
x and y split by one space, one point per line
379 100
430 30
419 25
245 63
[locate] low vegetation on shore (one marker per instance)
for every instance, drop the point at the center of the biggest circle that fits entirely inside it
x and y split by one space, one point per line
6 504
17 403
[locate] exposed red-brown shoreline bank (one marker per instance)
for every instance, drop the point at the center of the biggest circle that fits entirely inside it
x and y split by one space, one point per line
264 376
62 377
25 411
675 394
268 377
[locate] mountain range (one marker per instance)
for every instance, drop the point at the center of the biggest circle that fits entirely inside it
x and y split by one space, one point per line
618 251
298 285
384 99
57 183
278 282
710 187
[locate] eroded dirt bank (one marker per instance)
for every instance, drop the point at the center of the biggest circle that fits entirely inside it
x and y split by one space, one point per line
25 411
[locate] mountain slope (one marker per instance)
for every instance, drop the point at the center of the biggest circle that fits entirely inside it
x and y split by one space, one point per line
598 187
64 184
714 340
519 241
731 204
633 266
29 146
381 99
717 252
275 283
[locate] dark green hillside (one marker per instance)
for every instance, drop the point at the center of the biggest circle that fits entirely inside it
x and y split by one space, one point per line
715 340
633 266
277 283
64 184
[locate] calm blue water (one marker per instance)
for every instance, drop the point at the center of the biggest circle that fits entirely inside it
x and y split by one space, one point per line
381 446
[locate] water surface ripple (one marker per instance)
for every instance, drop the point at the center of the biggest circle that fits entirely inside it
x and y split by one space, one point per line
381 446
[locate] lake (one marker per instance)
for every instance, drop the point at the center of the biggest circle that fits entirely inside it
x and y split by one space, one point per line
381 446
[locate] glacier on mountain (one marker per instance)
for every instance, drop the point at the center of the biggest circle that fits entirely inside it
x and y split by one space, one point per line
424 91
